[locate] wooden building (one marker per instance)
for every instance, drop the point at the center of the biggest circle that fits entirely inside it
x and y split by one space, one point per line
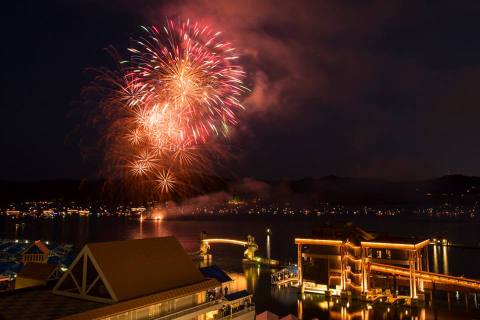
37 252
146 279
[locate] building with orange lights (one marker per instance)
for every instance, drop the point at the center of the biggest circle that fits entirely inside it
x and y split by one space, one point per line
348 260
138 279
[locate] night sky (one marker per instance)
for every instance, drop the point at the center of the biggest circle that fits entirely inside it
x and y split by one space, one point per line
383 89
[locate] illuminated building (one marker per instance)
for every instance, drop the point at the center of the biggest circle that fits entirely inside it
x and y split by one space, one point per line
13 213
133 279
347 260
339 259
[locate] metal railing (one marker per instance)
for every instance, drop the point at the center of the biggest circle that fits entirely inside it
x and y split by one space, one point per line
428 276
283 276
238 313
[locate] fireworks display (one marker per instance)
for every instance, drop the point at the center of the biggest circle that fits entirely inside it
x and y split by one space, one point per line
170 102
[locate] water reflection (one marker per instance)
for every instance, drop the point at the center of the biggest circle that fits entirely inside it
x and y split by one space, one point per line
321 307
252 278
268 245
140 230
445 259
440 257
435 259
239 281
315 306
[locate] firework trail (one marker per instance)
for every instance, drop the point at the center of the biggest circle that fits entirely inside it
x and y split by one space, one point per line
169 104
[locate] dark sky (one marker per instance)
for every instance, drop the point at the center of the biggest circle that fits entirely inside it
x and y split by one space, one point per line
384 89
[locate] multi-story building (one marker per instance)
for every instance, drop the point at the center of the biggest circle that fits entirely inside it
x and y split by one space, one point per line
345 259
133 279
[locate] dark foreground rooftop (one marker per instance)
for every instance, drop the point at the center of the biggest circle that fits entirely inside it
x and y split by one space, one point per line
41 304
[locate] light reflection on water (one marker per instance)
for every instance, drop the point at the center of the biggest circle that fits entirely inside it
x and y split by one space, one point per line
445 259
280 246
435 259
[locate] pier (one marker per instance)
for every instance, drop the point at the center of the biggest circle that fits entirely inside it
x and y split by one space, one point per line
249 254
351 263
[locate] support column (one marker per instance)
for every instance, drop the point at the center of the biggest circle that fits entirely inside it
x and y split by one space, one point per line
433 291
414 282
413 287
300 267
364 272
343 270
410 274
300 308
395 285
420 268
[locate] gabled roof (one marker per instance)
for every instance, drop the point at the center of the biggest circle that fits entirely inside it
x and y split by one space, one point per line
135 268
128 269
266 315
215 272
37 271
37 247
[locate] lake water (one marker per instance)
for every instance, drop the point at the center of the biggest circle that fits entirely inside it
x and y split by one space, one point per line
455 261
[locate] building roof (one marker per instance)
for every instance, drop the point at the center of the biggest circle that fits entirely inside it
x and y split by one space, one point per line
402 243
136 268
342 231
237 295
37 247
37 271
340 234
266 315
128 269
395 239
215 272
122 307
40 304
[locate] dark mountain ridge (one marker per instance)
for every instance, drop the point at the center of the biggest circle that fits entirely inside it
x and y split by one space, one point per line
454 189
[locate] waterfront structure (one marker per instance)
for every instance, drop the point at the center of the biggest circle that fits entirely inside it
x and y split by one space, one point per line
344 260
250 245
36 252
147 279
249 253
214 272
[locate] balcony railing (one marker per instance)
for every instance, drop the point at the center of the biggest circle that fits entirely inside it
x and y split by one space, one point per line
193 309
237 313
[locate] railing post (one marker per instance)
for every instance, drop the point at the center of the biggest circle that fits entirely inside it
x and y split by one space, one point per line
411 273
